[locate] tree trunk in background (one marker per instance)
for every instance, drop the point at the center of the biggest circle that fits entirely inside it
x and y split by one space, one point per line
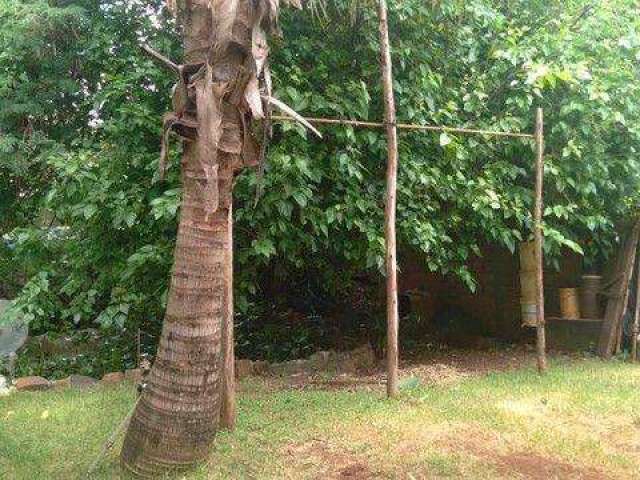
178 413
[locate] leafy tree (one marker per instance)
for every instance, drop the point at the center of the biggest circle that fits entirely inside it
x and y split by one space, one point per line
483 63
95 181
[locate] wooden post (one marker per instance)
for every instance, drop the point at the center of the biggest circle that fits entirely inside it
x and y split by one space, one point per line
635 330
228 407
619 294
538 239
138 347
390 210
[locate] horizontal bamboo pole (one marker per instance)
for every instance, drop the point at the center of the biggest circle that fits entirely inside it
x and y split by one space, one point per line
403 126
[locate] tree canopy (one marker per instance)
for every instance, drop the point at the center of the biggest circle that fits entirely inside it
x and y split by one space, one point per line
89 226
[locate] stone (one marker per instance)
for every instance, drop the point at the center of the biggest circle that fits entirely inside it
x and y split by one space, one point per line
260 367
74 381
4 386
278 369
363 357
244 368
61 384
346 365
81 381
112 378
134 374
12 336
323 361
286 369
30 384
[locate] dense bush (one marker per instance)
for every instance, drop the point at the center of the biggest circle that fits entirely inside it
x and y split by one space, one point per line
80 111
85 354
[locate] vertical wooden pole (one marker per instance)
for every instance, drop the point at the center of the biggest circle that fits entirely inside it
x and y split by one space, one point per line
635 330
138 347
538 239
626 288
619 295
390 210
228 406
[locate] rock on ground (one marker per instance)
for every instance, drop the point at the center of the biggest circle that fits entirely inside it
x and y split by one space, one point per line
112 378
32 384
135 374
75 381
4 386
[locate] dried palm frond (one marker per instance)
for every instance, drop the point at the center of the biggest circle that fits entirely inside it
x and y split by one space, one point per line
294 3
292 113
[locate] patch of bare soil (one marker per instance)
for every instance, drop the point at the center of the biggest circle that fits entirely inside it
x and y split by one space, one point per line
521 464
435 374
329 463
537 467
436 367
477 362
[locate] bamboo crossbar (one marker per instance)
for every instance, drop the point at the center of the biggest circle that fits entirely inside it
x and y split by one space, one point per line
403 126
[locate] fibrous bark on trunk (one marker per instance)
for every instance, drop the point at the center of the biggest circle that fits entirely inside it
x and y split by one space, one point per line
177 415
223 85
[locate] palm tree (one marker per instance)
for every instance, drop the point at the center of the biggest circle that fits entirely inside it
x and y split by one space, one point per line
223 86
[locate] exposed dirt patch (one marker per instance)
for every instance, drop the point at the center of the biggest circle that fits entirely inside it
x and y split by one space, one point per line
436 367
436 374
537 467
356 471
522 464
476 362
330 463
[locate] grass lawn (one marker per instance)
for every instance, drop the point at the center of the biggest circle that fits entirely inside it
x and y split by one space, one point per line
581 420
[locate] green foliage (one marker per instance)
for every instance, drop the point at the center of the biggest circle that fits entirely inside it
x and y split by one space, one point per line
80 114
109 259
115 351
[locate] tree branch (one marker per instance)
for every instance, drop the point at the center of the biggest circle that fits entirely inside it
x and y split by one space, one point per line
158 57
586 12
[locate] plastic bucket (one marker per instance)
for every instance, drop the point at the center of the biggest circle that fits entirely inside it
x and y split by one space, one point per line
528 288
569 306
529 312
527 256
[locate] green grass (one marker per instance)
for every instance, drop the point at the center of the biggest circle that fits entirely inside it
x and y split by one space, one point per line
581 419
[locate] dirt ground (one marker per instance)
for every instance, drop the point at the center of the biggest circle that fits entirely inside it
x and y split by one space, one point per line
440 367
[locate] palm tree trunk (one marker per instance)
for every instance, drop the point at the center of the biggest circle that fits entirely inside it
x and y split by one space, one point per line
178 413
